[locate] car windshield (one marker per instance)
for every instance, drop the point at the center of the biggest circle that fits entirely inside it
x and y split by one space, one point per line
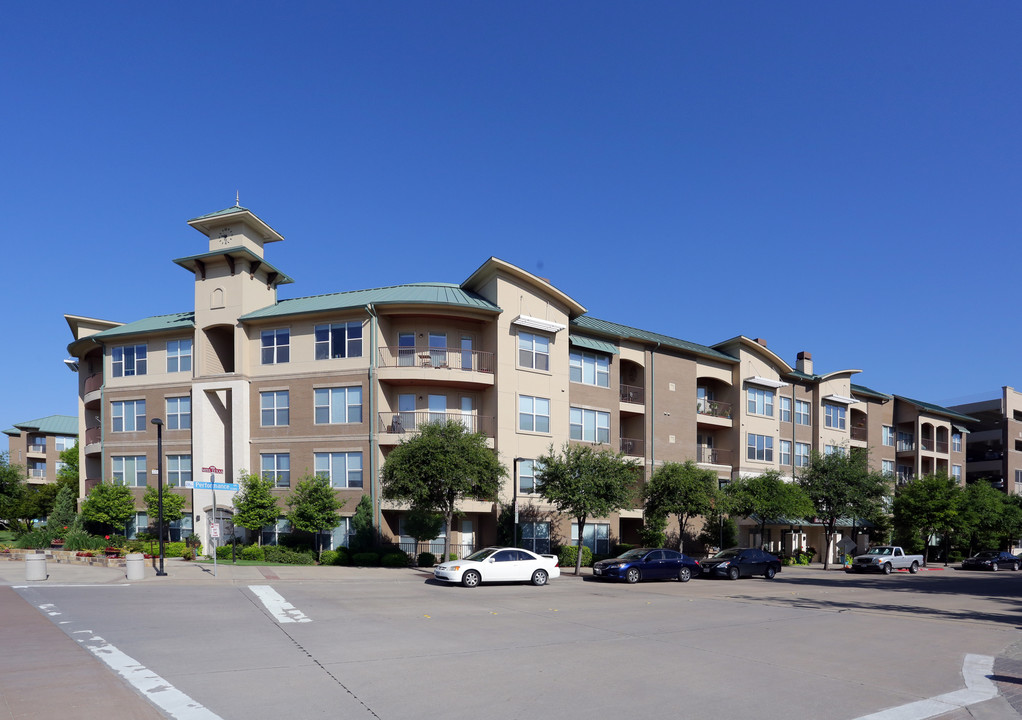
987 554
729 553
481 554
633 554
879 551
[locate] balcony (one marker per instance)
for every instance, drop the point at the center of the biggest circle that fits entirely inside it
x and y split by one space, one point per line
633 394
713 408
37 449
393 427
633 446
859 433
713 456
463 368
37 472
941 446
906 446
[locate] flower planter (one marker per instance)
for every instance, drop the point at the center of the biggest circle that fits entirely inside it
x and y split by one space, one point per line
112 551
57 544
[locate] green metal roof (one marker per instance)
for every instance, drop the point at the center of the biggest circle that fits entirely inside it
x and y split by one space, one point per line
593 344
415 293
868 392
159 323
189 262
622 332
51 424
938 410
226 211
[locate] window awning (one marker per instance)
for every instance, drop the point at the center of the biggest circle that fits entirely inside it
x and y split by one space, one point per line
963 430
765 382
538 324
840 399
593 344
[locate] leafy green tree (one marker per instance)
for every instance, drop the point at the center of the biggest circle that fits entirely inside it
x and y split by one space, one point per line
1011 520
110 506
254 506
681 489
583 482
63 513
68 473
654 530
927 506
363 530
423 525
443 464
840 486
719 531
173 507
313 506
768 498
12 488
35 501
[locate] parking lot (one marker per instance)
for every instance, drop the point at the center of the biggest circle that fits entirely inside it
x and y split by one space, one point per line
396 644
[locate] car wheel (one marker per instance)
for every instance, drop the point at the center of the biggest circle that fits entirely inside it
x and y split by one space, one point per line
632 575
1014 566
769 573
470 579
684 575
733 573
914 569
539 577
994 567
887 568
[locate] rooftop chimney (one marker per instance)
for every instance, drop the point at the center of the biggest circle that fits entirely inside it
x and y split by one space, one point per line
804 364
761 341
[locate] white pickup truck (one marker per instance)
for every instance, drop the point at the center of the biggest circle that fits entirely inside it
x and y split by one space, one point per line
885 558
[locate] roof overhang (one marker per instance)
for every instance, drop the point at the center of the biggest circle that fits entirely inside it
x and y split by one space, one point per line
840 399
207 223
765 382
538 324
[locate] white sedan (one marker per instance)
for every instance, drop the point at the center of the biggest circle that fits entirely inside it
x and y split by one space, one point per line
497 564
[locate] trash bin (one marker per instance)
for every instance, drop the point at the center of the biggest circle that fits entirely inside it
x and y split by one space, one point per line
136 566
35 566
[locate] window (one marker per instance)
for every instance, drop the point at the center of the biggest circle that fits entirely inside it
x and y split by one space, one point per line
276 346
339 340
527 470
179 470
785 403
801 412
338 405
956 442
276 467
535 536
956 472
906 441
180 529
785 449
135 525
179 356
801 454
406 349
833 450
595 536
275 408
64 442
589 425
533 414
533 351
760 447
887 467
338 537
179 413
589 368
129 470
834 416
129 415
761 401
129 360
342 469
888 435
272 533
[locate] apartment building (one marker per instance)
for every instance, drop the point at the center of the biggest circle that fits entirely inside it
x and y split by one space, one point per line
994 447
330 384
35 445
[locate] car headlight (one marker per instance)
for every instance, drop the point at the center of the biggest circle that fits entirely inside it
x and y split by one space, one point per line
453 568
724 564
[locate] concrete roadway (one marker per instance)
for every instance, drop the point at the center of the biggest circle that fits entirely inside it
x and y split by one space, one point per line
395 644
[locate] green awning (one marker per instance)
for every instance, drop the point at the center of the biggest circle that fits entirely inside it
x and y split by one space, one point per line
593 344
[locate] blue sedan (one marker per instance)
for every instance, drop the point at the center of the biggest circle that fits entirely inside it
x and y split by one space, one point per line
648 564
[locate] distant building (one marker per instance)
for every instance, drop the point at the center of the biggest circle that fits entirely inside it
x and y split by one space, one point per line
994 448
36 445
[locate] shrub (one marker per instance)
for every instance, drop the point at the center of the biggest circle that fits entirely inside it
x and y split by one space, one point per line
188 554
343 556
395 559
569 553
426 559
173 549
328 557
253 552
366 559
223 552
287 556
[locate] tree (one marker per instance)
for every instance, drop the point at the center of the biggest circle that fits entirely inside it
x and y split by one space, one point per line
840 486
254 506
927 506
364 533
68 473
583 483
443 464
110 506
681 489
12 488
63 513
313 507
173 507
768 498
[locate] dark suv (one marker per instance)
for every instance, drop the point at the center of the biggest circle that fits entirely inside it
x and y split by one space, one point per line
734 563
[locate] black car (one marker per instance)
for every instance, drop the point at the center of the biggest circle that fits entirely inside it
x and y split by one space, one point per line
647 564
991 560
734 563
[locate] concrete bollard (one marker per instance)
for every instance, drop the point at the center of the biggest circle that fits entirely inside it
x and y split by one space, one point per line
135 566
35 566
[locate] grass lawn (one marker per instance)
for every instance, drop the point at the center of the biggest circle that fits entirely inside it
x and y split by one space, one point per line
6 536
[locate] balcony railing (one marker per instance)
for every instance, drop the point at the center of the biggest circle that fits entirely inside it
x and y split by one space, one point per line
941 446
859 433
633 394
927 444
440 358
37 448
713 456
93 382
906 446
37 472
408 422
93 435
714 408
633 446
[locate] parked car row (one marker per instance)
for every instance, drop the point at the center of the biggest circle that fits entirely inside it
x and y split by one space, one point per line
495 564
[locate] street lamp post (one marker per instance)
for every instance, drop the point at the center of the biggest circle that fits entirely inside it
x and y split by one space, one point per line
514 538
159 488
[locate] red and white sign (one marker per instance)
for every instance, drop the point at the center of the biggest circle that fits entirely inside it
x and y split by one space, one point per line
214 529
213 469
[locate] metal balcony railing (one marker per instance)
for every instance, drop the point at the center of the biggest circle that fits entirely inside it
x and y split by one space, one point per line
438 358
941 446
633 446
93 382
408 422
37 448
633 394
37 472
713 456
93 435
859 433
714 408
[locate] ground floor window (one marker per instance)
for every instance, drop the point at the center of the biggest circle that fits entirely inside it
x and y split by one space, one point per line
271 533
535 536
180 529
136 525
595 536
338 537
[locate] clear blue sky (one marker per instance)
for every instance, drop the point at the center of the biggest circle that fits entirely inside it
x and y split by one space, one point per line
842 178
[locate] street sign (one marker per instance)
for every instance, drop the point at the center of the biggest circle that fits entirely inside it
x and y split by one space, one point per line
197 485
214 529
